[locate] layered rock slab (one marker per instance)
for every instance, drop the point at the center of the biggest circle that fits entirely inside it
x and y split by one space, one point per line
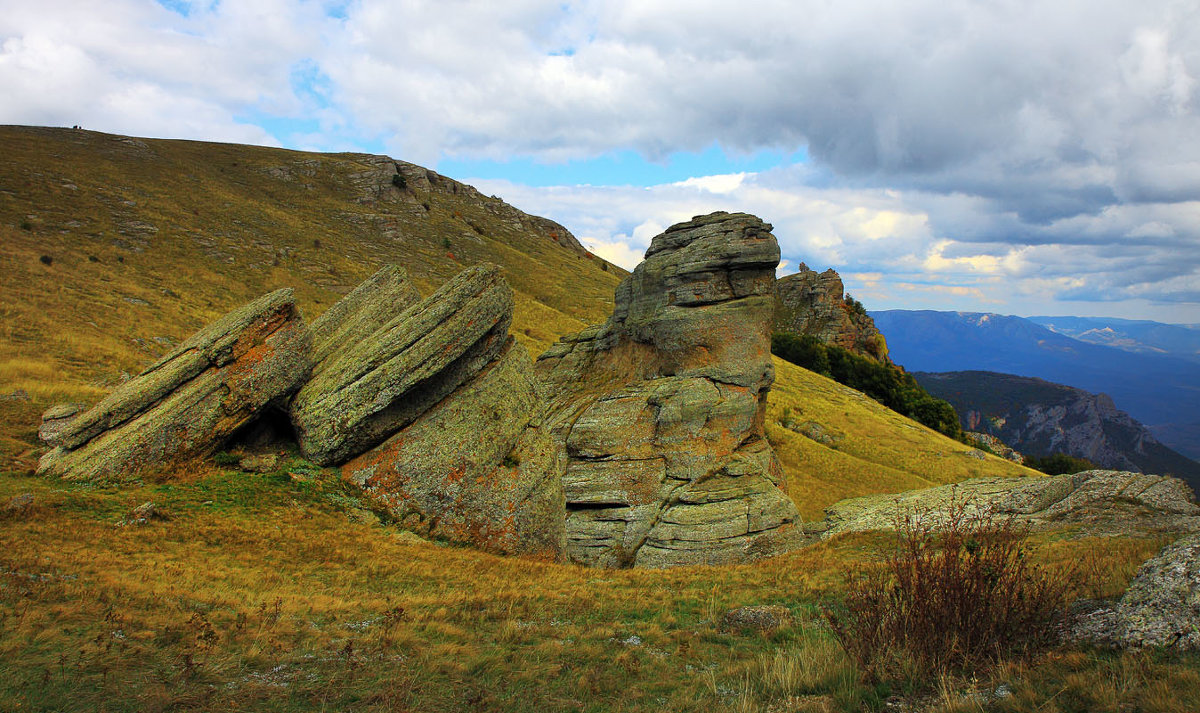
476 468
659 411
189 402
367 308
1103 502
369 389
1161 608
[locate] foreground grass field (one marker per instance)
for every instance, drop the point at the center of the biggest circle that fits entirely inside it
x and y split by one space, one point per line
280 592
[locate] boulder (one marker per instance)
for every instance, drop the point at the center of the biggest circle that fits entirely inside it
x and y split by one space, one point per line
475 468
813 303
369 389
763 617
189 402
1161 608
659 411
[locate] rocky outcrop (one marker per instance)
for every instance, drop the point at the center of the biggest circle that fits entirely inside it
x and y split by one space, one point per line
362 312
659 411
989 442
370 389
1161 608
813 303
1103 502
432 408
189 402
475 468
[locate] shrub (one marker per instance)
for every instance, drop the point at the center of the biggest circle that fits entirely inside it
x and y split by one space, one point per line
399 181
46 260
26 225
1059 464
957 593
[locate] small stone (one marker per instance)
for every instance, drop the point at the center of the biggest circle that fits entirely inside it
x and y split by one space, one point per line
765 618
19 504
142 515
264 463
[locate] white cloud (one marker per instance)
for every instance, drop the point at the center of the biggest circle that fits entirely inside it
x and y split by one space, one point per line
1028 150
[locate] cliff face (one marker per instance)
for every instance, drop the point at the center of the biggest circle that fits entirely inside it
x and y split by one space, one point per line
1040 418
813 303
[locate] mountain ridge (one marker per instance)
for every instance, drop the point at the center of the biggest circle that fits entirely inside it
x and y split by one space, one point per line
1039 418
1161 391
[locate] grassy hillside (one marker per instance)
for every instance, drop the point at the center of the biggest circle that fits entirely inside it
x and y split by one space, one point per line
870 448
116 248
280 593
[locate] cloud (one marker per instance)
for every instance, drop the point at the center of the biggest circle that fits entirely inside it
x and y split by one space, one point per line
1029 150
138 68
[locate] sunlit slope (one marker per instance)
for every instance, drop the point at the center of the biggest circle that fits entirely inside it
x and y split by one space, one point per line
869 448
115 248
147 240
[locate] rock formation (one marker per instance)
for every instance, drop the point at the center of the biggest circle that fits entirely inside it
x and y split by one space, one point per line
475 468
1160 608
659 411
362 312
432 408
1103 502
189 402
813 303
368 390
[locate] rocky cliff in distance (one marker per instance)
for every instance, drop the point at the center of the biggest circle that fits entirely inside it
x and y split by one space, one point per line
814 303
660 410
1038 418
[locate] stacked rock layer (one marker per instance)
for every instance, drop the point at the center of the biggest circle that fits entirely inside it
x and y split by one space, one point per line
659 412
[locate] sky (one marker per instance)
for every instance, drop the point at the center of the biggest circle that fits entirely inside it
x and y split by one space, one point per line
1013 156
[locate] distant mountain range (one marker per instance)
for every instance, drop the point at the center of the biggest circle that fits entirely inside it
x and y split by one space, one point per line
1162 390
1039 418
1138 336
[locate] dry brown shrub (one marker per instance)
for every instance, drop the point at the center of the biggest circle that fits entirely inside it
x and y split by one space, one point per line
957 593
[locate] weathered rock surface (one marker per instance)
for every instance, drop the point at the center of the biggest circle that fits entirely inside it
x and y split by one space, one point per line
762 617
1103 501
57 419
813 303
374 387
362 312
659 411
191 400
1160 608
475 468
995 445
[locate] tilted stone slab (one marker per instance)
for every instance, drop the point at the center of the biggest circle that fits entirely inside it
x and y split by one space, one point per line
376 386
366 309
475 468
191 400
